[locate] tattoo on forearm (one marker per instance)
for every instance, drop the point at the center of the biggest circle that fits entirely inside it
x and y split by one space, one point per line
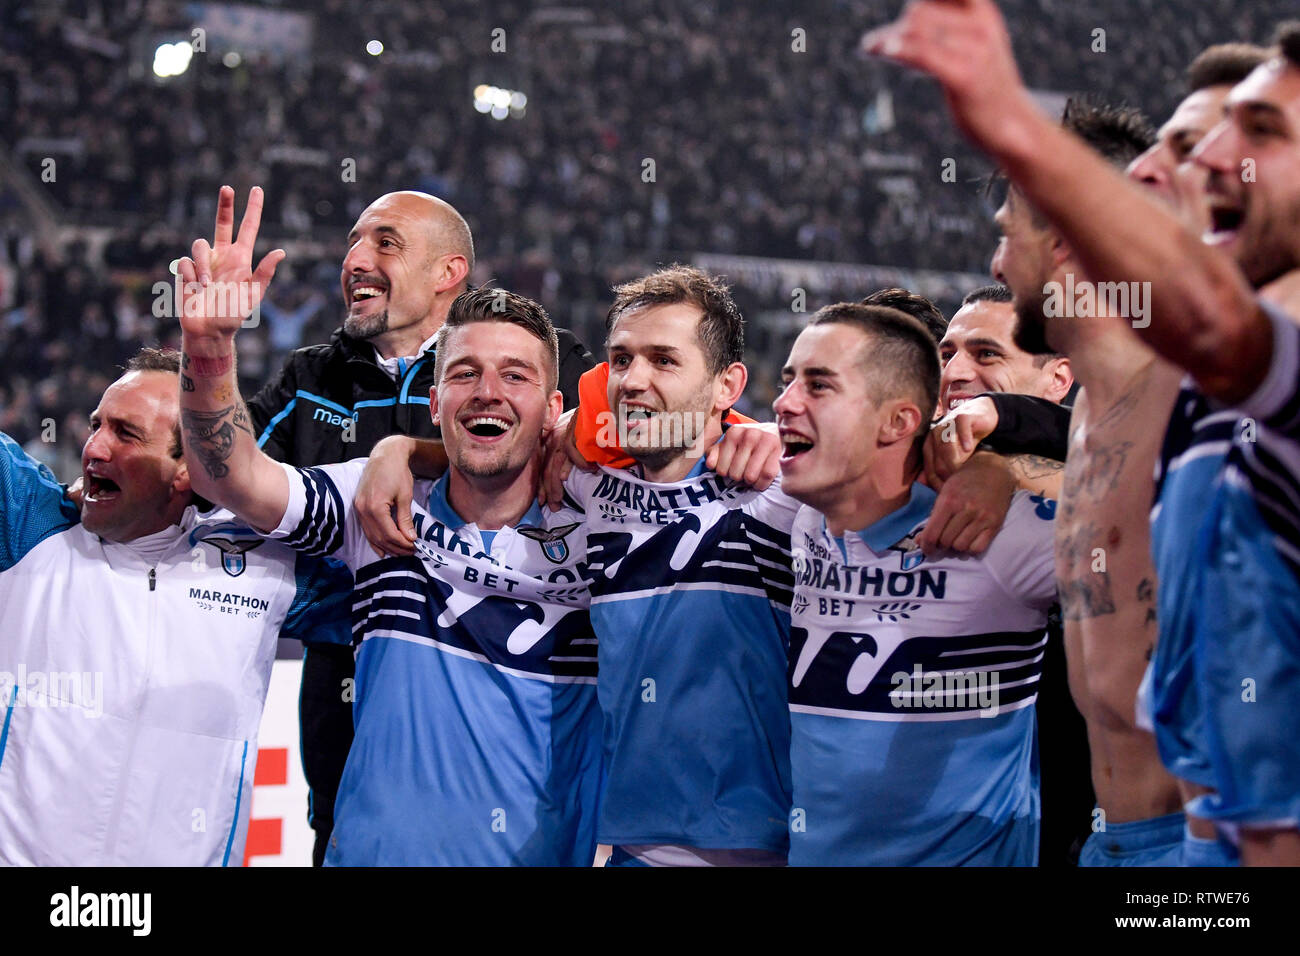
1036 473
1035 466
1085 597
212 435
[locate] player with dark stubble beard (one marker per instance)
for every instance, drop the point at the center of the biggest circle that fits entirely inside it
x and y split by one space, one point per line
1225 516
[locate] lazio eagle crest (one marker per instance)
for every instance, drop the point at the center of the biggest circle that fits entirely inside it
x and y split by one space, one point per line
232 539
232 551
910 556
553 544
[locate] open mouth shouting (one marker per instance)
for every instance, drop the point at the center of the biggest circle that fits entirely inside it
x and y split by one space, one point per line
1226 219
793 444
486 428
100 489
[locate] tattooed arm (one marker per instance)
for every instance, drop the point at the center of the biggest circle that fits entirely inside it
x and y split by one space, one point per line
220 289
1042 476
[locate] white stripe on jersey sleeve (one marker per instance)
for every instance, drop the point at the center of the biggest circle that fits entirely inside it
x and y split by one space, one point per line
327 491
1282 381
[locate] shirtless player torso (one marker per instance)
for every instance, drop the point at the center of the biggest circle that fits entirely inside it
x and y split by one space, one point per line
1107 582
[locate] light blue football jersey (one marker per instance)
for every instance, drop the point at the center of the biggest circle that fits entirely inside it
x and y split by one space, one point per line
690 596
477 725
1226 541
912 682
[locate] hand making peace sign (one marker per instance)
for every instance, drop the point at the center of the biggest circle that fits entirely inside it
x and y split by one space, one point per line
219 286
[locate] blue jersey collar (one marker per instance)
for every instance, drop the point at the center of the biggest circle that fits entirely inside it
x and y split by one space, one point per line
441 509
889 530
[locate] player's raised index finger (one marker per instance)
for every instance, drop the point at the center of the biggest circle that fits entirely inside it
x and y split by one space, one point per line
252 220
225 216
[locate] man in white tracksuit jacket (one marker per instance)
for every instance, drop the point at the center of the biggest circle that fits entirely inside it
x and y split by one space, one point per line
136 642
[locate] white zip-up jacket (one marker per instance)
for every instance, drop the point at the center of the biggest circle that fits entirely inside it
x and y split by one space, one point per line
133 676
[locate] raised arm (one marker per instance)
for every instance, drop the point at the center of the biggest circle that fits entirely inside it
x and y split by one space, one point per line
1205 318
219 290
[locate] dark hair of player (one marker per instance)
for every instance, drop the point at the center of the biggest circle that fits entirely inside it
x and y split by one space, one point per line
1224 64
900 361
721 332
915 305
987 293
1287 40
488 304
1119 133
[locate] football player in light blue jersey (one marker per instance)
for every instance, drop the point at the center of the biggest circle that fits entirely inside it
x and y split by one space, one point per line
690 593
1210 314
1226 523
477 726
690 576
911 677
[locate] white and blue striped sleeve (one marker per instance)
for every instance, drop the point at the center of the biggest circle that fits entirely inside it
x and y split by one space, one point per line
316 521
1276 403
1268 455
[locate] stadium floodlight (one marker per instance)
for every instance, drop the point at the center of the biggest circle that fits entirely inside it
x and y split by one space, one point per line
499 101
172 59
374 48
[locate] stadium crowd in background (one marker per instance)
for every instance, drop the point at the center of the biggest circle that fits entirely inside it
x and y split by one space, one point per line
782 154
826 157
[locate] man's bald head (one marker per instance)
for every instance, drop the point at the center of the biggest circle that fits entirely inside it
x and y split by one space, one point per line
409 255
448 230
